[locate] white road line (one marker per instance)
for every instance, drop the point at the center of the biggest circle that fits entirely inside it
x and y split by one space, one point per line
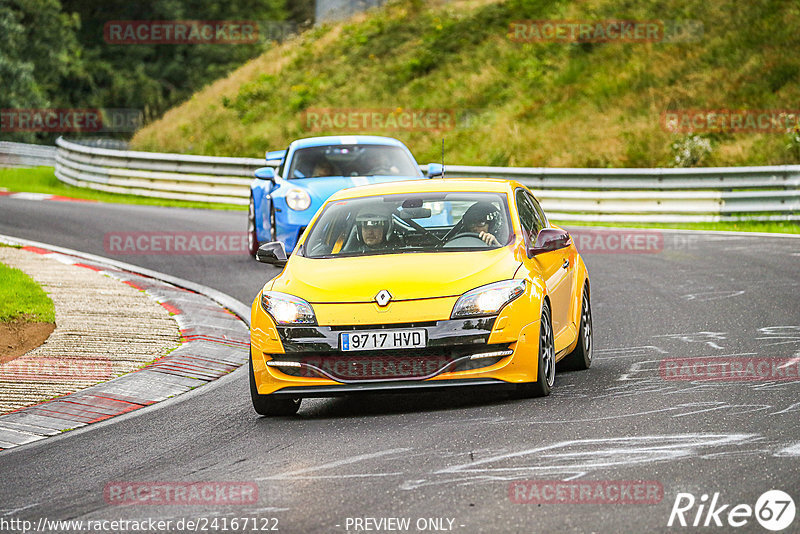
337 463
791 408
791 450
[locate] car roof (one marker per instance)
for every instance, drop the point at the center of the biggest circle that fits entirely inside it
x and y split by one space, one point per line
345 140
433 185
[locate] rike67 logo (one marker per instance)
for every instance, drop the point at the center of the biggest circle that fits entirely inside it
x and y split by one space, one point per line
774 510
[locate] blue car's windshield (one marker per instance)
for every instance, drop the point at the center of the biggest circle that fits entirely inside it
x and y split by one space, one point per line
352 160
413 222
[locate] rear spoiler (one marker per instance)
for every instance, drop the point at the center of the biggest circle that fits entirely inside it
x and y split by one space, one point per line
275 157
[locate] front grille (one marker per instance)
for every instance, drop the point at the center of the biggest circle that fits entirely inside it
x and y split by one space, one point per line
408 364
441 334
389 326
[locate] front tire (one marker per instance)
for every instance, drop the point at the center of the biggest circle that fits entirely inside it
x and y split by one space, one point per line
268 404
252 235
580 358
273 230
546 373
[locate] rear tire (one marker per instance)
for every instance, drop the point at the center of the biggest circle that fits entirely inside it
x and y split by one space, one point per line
270 405
546 373
580 358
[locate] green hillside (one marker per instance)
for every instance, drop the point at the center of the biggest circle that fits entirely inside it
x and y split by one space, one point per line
562 104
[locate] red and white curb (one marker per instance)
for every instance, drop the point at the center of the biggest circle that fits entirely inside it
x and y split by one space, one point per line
41 196
215 340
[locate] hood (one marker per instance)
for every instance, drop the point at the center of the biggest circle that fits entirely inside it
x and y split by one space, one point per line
322 188
406 276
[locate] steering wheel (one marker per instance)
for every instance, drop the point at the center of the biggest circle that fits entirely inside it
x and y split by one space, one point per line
382 169
464 235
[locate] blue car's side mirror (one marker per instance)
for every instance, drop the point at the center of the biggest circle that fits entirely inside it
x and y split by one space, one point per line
435 169
265 173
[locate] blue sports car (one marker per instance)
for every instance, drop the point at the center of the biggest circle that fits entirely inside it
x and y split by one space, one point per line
285 195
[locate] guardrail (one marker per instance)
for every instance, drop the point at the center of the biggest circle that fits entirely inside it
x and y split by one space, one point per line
618 195
173 176
26 155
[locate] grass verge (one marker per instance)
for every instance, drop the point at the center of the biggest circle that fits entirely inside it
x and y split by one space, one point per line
43 180
779 227
22 298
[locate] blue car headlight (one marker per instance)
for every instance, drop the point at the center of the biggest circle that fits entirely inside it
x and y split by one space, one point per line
488 299
298 199
287 309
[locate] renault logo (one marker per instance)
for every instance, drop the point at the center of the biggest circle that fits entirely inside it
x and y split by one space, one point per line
383 297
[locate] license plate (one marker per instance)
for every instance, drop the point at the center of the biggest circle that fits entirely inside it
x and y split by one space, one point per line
382 339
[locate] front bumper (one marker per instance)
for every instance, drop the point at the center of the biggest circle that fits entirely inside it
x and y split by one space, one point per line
393 387
452 346
325 339
314 365
463 352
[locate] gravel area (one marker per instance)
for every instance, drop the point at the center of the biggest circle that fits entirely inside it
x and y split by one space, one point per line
104 328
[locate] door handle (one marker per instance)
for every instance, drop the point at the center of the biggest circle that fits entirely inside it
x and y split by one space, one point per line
565 265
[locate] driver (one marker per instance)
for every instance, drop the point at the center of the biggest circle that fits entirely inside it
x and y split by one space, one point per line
482 218
374 229
323 167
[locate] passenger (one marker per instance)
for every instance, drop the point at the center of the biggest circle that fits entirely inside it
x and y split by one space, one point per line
482 218
379 164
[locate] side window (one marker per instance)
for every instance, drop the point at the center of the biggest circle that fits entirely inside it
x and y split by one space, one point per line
540 213
527 216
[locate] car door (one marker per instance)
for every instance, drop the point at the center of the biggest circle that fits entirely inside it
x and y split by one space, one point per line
556 266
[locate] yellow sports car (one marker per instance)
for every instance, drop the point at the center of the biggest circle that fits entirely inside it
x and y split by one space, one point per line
420 285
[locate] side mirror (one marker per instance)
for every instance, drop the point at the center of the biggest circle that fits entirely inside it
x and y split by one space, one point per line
435 169
265 173
272 253
550 239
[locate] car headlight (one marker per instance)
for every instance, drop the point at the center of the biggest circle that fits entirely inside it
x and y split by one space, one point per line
298 199
488 299
287 309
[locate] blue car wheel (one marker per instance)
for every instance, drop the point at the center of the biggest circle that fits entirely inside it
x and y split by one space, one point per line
273 232
252 232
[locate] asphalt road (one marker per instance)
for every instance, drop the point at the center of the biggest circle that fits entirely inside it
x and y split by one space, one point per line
445 461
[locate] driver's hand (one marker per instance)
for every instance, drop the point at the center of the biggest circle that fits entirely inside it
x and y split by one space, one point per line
489 239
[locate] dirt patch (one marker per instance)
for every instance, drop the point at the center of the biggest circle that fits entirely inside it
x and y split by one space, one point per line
21 336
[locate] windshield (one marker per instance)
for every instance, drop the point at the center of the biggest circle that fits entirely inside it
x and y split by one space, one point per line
352 160
415 222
